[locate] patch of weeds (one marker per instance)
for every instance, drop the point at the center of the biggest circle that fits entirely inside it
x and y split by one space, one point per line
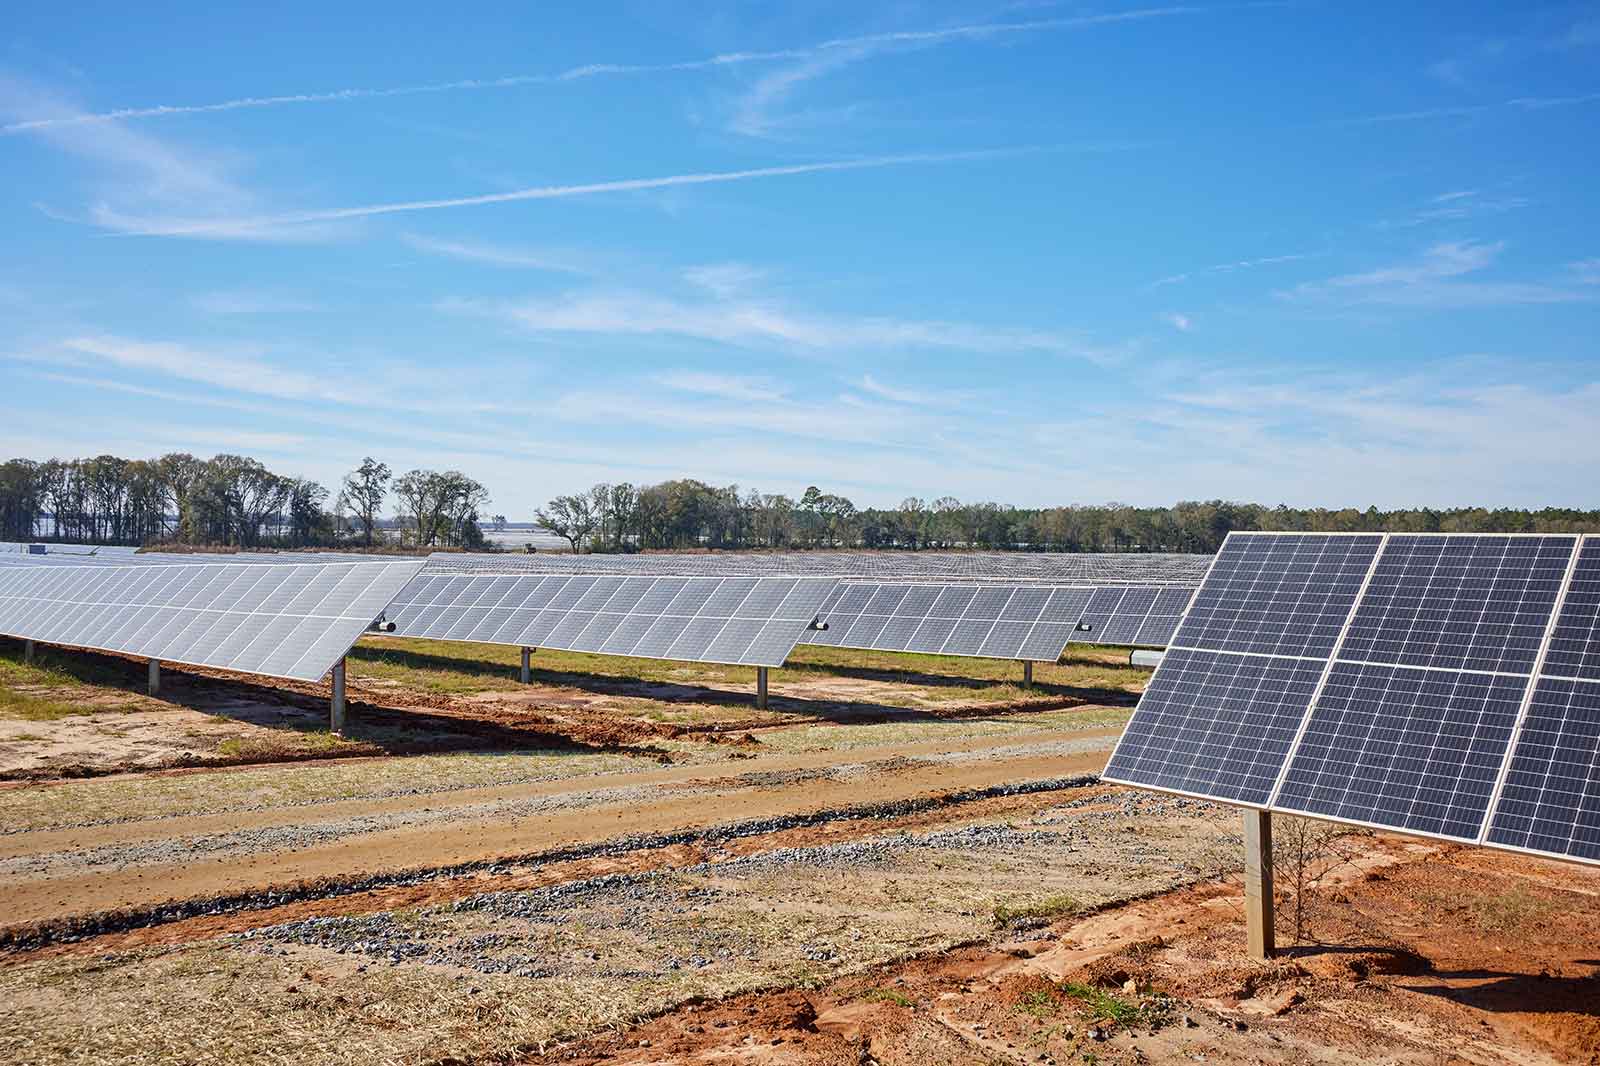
1507 911
1037 913
14 704
1039 1002
1106 1006
268 747
29 736
886 995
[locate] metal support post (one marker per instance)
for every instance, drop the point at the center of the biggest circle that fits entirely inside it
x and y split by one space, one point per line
27 651
527 669
761 687
336 706
1258 883
155 677
1027 673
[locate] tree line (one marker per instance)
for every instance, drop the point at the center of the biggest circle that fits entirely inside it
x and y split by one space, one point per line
232 501
691 514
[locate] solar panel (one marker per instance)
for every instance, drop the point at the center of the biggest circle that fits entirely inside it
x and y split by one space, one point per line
1457 697
751 621
1550 799
1404 748
292 620
1029 622
1118 568
1221 713
1215 724
1278 594
1463 602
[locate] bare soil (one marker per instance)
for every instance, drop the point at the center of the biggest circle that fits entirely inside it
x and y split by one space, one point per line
890 866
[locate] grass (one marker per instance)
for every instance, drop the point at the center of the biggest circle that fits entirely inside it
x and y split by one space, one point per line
457 668
298 742
886 995
1508 911
1105 1006
54 686
1048 909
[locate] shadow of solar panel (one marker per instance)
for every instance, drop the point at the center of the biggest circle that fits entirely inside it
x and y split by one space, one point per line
1404 748
1278 594
1550 801
1460 602
292 619
1215 725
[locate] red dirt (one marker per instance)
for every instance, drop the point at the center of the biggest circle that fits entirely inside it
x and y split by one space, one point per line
1411 965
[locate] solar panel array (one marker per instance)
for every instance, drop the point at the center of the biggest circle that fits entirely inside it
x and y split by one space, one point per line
1126 568
292 620
1444 685
753 621
1028 622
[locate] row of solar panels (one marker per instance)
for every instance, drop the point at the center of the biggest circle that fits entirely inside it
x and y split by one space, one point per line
296 618
1442 685
1031 622
1058 568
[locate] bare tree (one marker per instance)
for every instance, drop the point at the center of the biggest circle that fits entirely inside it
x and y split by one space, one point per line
364 490
1304 853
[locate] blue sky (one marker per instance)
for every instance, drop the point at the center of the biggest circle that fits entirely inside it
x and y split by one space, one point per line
1316 253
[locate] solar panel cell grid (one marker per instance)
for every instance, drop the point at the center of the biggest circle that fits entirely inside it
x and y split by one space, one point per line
1215 724
1407 748
1551 798
1278 594
1575 644
1468 602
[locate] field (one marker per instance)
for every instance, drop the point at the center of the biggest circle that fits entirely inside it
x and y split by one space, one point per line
904 860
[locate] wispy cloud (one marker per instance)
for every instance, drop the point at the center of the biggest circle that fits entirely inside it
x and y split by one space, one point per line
289 221
1228 268
725 386
1520 103
138 175
759 112
1436 279
747 321
1458 205
1178 321
842 45
251 302
498 254
724 280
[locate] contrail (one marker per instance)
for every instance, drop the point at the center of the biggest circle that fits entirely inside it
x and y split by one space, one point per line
595 70
181 228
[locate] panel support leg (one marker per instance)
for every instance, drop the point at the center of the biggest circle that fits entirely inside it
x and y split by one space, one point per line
1258 883
155 677
27 651
1027 674
761 687
527 668
336 705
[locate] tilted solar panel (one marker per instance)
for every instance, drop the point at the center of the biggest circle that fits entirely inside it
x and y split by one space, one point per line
1028 622
293 620
1458 697
1215 724
1550 799
752 621
1060 568
1245 655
